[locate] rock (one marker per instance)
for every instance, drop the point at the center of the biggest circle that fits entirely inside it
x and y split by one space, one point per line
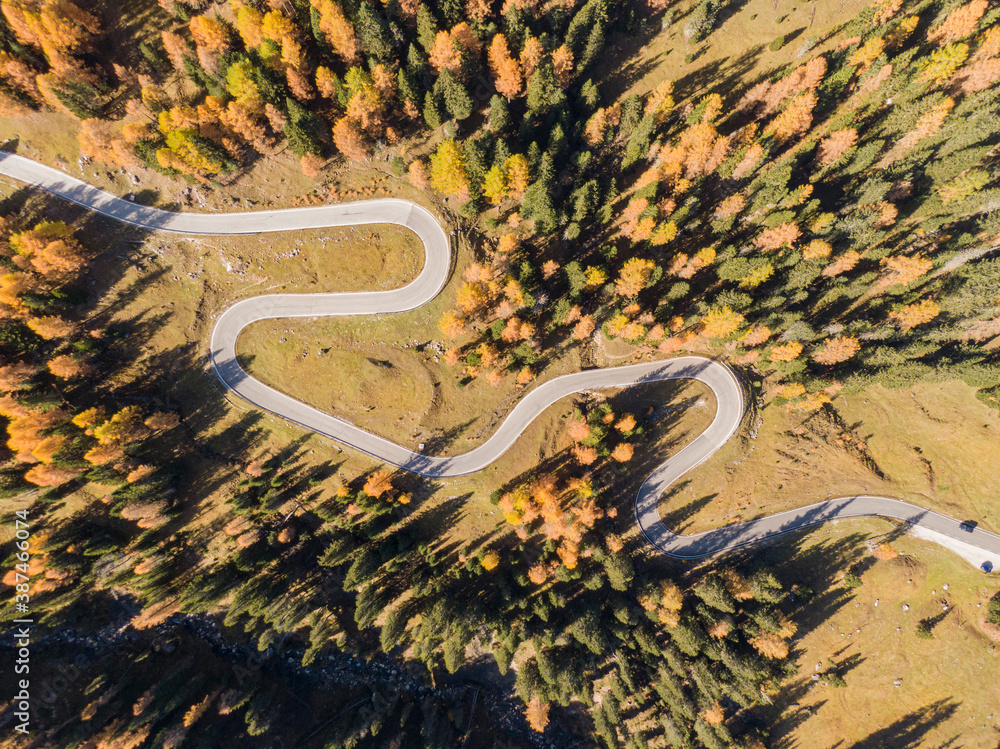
876 603
906 607
898 683
819 666
945 586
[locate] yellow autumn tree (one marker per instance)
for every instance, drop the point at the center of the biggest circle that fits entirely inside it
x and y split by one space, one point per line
902 270
452 325
634 275
448 169
378 483
721 322
124 427
940 65
495 184
786 351
518 173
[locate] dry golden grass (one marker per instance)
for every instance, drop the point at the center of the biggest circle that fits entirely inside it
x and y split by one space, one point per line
934 443
733 56
948 686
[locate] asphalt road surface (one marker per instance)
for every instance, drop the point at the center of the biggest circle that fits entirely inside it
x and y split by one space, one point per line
427 285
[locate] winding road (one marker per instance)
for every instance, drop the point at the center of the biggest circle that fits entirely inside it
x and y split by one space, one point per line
426 286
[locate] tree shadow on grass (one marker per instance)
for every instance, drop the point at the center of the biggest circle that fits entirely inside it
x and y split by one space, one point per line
816 566
625 66
796 690
439 443
911 730
678 520
721 76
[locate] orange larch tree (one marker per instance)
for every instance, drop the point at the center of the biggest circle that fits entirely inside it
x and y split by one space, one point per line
835 145
350 141
562 65
836 350
506 70
916 314
959 24
338 31
902 270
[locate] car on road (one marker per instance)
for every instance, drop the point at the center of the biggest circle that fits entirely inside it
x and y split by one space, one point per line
968 525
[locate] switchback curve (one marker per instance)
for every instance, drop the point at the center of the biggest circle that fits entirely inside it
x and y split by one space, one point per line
424 288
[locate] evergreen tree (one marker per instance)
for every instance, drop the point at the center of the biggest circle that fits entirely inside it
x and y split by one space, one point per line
452 12
452 92
432 110
584 200
427 28
373 32
714 593
500 119
638 143
543 91
302 129
594 47
417 65
409 89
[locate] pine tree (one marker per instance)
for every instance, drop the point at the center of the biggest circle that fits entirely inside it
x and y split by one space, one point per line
427 28
302 129
409 88
393 629
452 92
542 90
500 119
373 32
432 111
637 146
